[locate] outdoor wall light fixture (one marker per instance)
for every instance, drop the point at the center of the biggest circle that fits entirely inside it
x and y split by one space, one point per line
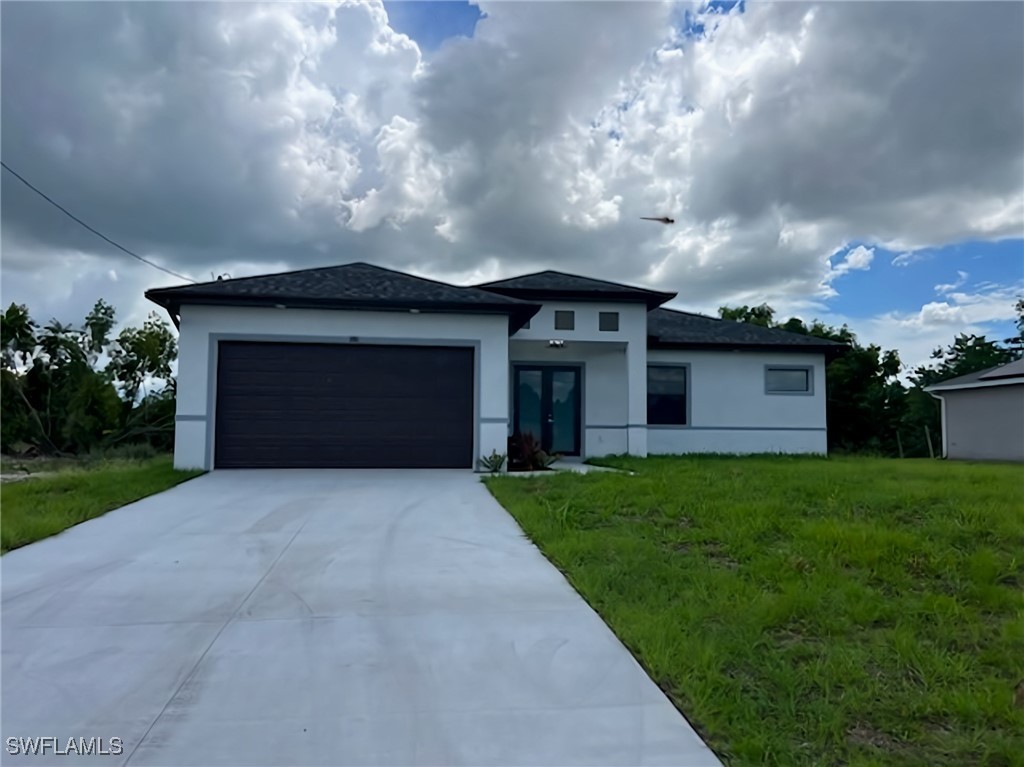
556 343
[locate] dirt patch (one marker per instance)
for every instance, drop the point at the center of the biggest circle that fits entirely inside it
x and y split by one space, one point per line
677 547
715 552
7 478
863 734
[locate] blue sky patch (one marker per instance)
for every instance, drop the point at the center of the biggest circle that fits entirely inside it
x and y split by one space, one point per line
911 282
431 23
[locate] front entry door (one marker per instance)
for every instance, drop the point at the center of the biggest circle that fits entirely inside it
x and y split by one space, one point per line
547 405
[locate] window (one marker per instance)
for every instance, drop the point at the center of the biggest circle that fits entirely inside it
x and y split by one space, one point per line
565 320
526 325
789 379
607 320
666 395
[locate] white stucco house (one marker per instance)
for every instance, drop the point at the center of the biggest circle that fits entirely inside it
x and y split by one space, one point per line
361 366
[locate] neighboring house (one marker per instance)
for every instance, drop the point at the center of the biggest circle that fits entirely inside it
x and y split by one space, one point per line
983 414
362 366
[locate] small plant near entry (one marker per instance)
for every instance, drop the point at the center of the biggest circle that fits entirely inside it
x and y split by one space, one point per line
526 454
544 460
493 463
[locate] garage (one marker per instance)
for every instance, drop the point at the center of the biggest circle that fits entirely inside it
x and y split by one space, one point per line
302 405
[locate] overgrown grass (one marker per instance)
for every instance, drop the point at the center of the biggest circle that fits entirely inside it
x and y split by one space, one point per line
42 506
17 465
805 610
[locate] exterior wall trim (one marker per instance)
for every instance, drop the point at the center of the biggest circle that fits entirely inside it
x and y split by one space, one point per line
738 428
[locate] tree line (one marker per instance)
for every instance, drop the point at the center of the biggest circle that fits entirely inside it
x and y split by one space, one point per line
57 398
72 389
869 409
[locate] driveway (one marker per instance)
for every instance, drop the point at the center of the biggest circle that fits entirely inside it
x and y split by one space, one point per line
320 618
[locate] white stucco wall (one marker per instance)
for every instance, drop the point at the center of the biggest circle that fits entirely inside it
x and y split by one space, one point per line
615 386
632 322
201 325
605 404
730 411
984 424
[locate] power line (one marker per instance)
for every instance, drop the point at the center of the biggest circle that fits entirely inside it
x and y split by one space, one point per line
75 218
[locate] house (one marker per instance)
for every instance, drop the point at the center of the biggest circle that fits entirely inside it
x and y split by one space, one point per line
361 366
983 414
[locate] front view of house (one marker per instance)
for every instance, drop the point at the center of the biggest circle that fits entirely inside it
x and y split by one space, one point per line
361 366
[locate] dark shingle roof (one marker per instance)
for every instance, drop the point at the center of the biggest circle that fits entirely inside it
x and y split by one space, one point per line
994 376
349 286
668 328
551 284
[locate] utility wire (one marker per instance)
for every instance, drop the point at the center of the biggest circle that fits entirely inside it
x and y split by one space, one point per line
75 218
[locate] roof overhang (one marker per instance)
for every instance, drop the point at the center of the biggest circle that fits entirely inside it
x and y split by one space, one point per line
172 300
1011 381
650 298
830 350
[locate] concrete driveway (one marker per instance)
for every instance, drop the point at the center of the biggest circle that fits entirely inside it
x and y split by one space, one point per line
320 617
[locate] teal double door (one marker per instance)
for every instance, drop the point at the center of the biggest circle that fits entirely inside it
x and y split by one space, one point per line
547 402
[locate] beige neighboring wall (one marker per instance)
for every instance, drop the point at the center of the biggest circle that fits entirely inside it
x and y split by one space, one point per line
985 424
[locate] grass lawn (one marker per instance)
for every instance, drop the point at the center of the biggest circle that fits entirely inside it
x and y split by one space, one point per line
42 506
807 611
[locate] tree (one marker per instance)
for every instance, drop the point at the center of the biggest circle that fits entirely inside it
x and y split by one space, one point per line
17 336
96 333
759 315
1016 343
967 354
56 398
141 354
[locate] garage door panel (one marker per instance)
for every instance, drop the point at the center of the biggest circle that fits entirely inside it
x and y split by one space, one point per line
335 405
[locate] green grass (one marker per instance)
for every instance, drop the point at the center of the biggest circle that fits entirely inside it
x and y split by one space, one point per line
807 611
42 506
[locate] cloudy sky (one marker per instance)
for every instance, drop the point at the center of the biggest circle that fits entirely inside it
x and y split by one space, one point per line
860 162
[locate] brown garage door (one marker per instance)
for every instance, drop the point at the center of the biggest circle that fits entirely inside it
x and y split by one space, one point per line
337 405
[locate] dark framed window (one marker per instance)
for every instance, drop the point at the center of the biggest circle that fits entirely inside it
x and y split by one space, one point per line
526 325
565 320
607 320
667 391
788 379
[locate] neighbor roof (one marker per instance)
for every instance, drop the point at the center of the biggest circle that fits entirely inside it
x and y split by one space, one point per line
672 329
349 286
551 284
1000 375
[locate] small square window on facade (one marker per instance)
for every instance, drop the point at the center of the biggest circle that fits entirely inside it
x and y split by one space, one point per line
565 320
789 379
608 321
526 325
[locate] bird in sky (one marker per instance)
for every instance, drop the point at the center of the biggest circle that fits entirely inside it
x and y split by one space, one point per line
660 219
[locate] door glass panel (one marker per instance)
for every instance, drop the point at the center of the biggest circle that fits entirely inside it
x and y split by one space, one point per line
563 410
528 391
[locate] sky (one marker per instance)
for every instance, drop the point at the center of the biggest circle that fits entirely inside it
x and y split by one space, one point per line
859 163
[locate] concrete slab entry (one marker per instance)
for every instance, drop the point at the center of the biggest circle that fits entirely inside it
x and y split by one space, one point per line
321 618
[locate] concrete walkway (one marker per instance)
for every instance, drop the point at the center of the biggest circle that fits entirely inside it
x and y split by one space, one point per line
320 618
